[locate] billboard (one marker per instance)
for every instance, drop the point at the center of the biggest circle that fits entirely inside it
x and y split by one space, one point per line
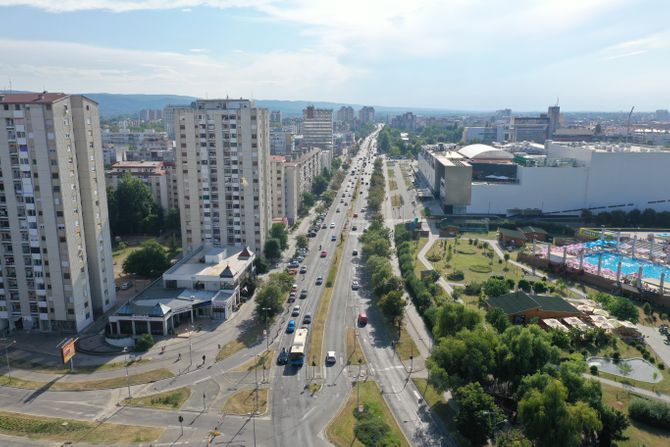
67 351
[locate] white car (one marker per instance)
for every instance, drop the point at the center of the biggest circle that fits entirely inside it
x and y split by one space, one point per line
332 225
355 285
296 311
331 358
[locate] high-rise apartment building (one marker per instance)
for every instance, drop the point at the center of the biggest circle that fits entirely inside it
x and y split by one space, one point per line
366 115
317 128
275 118
345 114
56 269
223 164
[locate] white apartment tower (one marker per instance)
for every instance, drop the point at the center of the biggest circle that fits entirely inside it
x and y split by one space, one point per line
223 168
56 270
317 128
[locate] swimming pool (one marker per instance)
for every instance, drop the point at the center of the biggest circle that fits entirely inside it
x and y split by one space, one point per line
628 265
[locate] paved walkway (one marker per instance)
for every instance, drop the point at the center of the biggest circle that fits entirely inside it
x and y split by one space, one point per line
631 388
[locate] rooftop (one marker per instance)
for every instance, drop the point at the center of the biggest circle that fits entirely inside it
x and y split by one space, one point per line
484 152
30 98
520 301
219 262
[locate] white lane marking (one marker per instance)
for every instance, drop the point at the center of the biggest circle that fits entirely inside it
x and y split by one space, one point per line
418 397
307 414
371 368
388 368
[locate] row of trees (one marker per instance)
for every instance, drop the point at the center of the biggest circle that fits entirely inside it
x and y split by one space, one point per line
272 294
376 193
390 143
132 210
648 218
276 242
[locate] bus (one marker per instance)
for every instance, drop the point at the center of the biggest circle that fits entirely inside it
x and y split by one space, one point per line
296 355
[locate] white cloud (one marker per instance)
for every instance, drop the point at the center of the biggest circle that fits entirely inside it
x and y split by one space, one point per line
128 5
76 68
658 41
199 50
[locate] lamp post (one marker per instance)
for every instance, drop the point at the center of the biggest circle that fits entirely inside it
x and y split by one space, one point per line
190 347
125 351
9 368
267 331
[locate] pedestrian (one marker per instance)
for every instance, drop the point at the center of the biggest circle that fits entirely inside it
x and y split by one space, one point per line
179 356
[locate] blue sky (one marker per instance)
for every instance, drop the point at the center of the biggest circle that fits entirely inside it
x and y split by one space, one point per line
459 54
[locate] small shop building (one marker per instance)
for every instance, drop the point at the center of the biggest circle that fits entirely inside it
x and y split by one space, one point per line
521 307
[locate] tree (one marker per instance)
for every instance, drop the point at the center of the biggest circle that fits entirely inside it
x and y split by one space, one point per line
497 318
149 261
614 424
646 308
172 220
319 185
301 241
272 249
392 305
524 350
513 438
452 317
278 231
495 287
550 421
132 207
598 129
308 199
478 413
269 297
336 163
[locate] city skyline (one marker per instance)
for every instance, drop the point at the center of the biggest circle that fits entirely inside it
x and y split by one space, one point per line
467 56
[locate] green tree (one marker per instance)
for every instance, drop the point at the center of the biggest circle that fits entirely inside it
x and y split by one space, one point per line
149 261
452 317
269 297
646 308
272 249
513 438
393 305
308 199
319 185
524 350
498 319
132 207
278 231
301 241
495 287
172 221
478 413
336 163
550 421
614 424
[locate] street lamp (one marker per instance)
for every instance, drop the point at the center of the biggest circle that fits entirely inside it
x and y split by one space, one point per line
125 351
190 347
9 369
267 331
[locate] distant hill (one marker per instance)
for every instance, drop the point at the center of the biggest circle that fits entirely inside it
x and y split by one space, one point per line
112 104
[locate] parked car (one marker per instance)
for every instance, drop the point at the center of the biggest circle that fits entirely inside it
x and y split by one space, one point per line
126 285
294 287
362 319
319 280
290 327
303 269
354 228
354 253
355 285
296 311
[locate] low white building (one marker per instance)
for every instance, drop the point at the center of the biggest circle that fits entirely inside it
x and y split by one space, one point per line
152 173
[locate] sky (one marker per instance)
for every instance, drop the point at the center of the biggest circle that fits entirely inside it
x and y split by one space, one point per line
590 55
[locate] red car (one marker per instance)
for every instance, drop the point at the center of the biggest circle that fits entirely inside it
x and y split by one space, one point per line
324 253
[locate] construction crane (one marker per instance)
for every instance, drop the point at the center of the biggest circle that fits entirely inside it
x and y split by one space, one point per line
628 128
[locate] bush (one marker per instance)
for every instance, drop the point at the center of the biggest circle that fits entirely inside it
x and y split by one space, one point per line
525 285
144 342
594 370
664 316
661 365
616 356
654 413
540 287
456 275
473 288
480 268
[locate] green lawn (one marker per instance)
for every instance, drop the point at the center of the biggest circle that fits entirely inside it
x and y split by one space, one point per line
639 434
469 259
167 400
89 385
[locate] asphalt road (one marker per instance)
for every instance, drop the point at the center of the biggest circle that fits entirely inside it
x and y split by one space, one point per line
299 417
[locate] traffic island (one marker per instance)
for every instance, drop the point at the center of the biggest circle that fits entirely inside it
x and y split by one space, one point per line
74 431
167 400
365 414
247 401
89 385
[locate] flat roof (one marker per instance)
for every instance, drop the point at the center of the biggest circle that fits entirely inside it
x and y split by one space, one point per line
30 98
232 262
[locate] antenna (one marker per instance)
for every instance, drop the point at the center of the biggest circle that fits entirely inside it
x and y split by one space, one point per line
557 101
628 128
10 84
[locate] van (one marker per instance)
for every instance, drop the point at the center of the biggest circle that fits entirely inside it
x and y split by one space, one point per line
291 326
362 319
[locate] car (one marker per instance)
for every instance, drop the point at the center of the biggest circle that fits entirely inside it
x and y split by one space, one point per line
337 210
341 200
324 226
303 269
319 280
300 258
333 238
360 192
293 264
355 215
296 311
324 253
355 285
331 358
282 358
291 297
362 319
307 319
332 225
354 228
290 327
126 285
354 253
294 287
303 294
345 203
311 234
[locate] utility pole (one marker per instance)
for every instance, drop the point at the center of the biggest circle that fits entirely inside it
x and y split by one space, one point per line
190 348
125 350
267 331
9 368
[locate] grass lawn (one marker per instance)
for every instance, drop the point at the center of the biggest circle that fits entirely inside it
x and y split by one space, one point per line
638 433
340 431
354 350
393 185
89 385
243 402
471 260
68 430
396 200
416 246
265 360
80 369
661 387
248 337
167 400
405 346
440 408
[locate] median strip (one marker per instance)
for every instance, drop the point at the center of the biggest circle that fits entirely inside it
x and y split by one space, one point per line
89 385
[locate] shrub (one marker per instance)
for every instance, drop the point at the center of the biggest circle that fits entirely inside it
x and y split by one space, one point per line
661 365
456 275
540 287
616 356
473 288
594 370
663 316
525 285
654 413
652 359
144 342
480 268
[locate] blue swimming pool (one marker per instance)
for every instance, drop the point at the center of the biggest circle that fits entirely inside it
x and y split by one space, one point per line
628 265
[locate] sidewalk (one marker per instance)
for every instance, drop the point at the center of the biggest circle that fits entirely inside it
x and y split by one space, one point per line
631 388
